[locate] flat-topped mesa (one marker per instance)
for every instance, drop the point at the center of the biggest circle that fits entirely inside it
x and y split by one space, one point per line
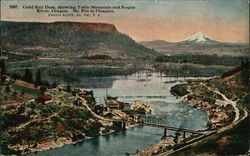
78 26
95 27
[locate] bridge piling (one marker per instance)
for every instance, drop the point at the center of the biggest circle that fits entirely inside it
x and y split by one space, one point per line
165 133
123 125
184 135
152 122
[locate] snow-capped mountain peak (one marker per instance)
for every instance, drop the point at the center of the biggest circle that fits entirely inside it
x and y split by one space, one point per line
198 37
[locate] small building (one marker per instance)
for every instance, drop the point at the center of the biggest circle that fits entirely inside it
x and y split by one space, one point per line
85 93
113 103
123 105
4 78
44 99
127 106
88 96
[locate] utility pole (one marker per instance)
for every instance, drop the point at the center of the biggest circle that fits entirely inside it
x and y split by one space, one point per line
106 92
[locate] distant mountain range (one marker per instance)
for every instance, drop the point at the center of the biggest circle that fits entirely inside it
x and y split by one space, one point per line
68 39
198 43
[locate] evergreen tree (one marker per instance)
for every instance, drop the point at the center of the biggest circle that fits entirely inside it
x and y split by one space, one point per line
7 89
38 80
46 83
3 67
245 64
28 76
43 89
54 85
68 89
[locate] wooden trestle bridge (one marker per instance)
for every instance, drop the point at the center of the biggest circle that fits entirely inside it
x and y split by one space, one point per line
157 123
150 121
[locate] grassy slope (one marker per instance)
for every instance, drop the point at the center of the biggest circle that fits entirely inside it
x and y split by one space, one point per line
231 142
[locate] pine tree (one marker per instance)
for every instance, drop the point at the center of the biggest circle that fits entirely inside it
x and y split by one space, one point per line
3 67
38 80
43 89
28 76
68 88
54 85
7 89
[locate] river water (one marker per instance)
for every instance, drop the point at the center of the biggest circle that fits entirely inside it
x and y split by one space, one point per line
135 87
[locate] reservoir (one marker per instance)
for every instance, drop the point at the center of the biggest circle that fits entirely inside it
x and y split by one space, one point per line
153 88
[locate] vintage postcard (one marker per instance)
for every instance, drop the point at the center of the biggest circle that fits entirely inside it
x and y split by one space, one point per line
124 77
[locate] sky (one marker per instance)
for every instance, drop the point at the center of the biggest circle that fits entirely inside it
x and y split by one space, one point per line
169 20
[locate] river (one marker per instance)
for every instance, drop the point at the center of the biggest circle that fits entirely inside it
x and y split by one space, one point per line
152 88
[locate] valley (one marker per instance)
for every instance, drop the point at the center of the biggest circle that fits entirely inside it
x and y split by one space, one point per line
57 79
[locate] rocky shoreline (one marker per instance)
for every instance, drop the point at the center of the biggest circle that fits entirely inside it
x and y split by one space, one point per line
217 116
215 120
62 142
25 149
59 143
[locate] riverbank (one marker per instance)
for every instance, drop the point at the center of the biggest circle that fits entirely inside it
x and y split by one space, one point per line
62 142
157 147
198 94
229 138
105 122
221 111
